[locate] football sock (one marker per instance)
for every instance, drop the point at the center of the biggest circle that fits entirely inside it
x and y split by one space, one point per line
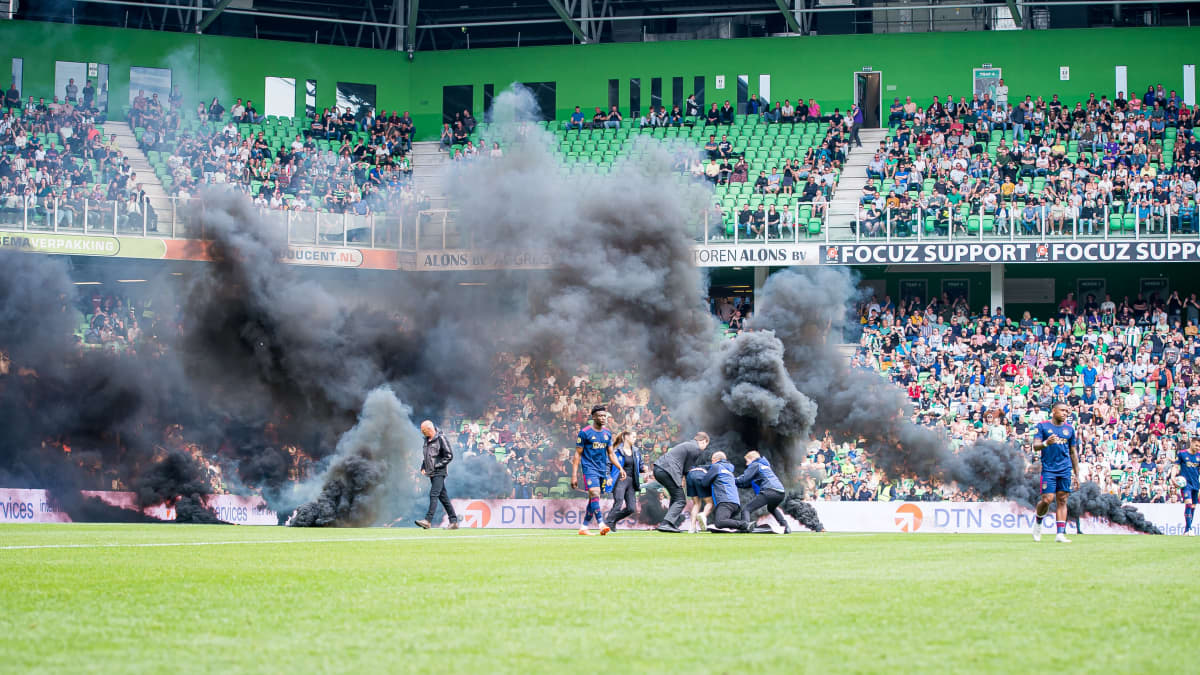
1062 526
594 508
1189 510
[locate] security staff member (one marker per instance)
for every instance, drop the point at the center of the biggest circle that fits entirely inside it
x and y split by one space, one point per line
768 489
720 479
669 471
624 490
436 457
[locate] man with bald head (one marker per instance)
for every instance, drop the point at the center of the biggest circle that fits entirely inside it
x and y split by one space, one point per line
721 480
436 456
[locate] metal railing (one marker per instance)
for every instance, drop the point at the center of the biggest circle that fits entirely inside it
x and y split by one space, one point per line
408 230
438 229
949 224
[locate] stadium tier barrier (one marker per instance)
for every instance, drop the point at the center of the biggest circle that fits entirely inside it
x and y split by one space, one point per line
36 506
438 229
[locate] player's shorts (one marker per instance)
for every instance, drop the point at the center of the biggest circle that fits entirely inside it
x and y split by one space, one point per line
1056 482
593 478
694 488
1191 494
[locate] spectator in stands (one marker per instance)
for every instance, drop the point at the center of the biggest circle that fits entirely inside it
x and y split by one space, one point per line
727 113
713 116
215 110
691 107
72 91
12 97
576 122
614 119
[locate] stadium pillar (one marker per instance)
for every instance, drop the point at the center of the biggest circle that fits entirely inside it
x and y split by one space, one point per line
997 286
760 278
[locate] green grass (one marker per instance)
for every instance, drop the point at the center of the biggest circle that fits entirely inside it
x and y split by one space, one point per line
116 598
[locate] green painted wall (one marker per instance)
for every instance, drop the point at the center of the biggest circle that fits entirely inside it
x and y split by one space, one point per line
1124 279
920 65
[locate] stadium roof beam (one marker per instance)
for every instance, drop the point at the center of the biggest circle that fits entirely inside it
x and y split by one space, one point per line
410 28
563 14
928 5
790 15
214 13
1015 12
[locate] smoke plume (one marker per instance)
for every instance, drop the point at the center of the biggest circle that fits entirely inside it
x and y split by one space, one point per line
622 286
362 485
1089 498
747 390
803 512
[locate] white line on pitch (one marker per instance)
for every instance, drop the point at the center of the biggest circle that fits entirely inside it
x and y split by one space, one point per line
273 541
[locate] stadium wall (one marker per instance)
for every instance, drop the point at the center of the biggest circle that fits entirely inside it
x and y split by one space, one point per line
1119 280
920 65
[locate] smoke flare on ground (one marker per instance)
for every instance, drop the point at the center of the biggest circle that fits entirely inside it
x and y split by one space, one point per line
803 512
363 485
1089 498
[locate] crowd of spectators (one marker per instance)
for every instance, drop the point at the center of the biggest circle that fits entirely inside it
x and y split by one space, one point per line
55 164
1129 369
1036 166
337 161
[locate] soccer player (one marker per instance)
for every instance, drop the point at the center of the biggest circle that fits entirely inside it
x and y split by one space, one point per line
1189 468
1059 446
624 490
594 453
768 489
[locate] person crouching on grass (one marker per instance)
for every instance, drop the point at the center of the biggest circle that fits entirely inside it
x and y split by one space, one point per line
720 479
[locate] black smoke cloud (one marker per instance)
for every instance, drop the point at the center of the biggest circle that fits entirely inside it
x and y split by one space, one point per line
805 309
101 405
364 484
1089 498
803 512
622 287
748 392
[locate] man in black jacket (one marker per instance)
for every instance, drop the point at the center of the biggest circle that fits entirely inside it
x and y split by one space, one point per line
436 457
669 471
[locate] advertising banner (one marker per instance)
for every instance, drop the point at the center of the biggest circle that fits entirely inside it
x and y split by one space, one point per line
467 259
882 517
982 252
81 244
37 506
739 255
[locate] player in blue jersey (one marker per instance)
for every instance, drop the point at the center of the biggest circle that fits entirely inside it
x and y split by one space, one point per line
594 455
1189 468
1059 446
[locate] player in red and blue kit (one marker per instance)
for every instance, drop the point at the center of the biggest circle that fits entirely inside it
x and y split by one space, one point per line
1189 468
594 454
1059 446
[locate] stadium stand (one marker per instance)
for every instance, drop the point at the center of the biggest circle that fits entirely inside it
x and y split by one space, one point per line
1131 369
1039 167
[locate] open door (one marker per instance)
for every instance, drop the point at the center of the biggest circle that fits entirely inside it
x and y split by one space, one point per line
869 96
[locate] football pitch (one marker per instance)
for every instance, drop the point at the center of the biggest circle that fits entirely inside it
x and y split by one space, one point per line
177 598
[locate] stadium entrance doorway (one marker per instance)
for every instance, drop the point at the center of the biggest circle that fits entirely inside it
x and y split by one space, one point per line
869 95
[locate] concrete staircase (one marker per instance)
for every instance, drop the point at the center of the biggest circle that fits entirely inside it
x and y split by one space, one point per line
430 171
143 172
429 163
844 205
